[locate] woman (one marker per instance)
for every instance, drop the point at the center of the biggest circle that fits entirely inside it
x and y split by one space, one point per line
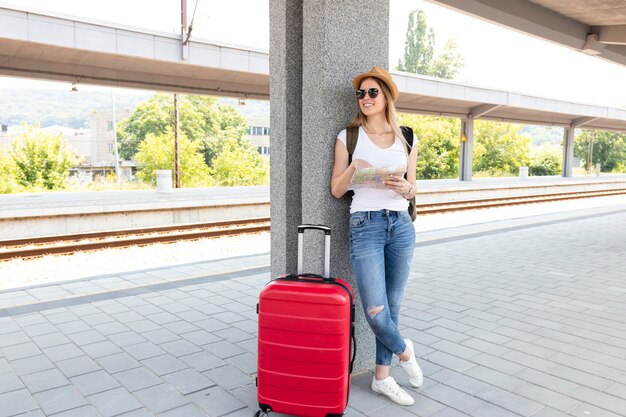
382 235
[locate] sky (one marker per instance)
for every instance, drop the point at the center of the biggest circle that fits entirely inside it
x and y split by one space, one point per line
495 57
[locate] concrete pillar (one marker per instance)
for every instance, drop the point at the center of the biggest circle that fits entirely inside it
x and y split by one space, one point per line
568 152
467 147
312 99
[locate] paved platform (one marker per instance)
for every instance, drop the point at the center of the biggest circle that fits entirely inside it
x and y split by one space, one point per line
520 320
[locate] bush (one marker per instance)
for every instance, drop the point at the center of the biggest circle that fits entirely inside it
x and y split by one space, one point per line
8 175
545 162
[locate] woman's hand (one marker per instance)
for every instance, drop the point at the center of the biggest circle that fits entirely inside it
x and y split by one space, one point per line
398 184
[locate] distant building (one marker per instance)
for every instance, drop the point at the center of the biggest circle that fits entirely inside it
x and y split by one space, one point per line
101 155
259 134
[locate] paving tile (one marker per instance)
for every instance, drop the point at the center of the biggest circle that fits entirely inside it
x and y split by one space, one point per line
189 381
62 352
510 401
246 362
160 398
30 319
31 365
216 401
160 336
188 410
180 348
39 329
114 402
126 338
136 379
86 337
223 349
545 396
77 366
229 377
85 411
110 328
16 402
60 399
45 380
233 335
600 399
200 337
164 364
9 381
100 349
20 351
202 361
591 410
118 362
459 381
72 327
454 398
143 326
50 340
145 350
181 327
94 382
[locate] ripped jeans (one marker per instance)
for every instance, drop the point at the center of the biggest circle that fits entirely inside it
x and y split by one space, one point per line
381 249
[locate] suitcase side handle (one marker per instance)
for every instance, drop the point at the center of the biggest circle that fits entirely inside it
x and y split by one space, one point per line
326 231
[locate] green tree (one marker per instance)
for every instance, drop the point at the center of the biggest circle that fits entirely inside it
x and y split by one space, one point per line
239 164
438 146
201 121
499 148
448 63
419 51
156 152
609 149
42 160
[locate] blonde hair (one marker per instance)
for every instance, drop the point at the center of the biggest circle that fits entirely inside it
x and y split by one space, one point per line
390 113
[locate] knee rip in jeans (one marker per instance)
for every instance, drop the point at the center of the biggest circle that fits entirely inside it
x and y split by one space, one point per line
374 310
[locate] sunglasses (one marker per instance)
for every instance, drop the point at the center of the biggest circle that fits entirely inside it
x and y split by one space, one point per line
372 92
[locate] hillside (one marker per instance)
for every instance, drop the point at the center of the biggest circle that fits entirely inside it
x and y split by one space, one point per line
72 109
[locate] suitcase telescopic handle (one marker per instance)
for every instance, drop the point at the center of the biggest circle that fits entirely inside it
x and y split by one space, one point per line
326 231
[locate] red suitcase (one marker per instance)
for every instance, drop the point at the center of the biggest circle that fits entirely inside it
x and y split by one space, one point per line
306 332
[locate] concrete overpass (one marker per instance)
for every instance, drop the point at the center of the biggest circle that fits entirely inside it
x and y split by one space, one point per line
595 27
56 47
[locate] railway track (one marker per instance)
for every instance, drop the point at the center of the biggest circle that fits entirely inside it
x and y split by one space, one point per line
67 244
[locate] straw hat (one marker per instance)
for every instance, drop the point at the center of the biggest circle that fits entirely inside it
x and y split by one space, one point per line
382 75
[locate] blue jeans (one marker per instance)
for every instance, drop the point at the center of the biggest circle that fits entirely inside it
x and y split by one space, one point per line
381 248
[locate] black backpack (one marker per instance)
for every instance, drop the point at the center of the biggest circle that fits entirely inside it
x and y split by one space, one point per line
352 136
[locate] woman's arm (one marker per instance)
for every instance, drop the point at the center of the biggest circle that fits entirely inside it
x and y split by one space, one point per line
342 171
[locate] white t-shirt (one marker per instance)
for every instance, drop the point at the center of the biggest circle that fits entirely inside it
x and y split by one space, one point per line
374 199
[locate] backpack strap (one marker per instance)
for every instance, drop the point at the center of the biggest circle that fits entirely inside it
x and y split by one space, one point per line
407 132
352 136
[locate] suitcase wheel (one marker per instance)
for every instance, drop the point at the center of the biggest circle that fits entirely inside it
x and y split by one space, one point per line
258 414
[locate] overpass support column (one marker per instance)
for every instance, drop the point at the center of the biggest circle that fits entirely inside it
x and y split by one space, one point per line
467 146
568 152
317 47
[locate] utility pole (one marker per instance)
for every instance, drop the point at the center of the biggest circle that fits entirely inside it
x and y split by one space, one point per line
590 152
176 144
117 159
183 30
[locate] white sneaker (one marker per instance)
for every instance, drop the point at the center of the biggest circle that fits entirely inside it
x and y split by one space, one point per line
390 388
411 368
